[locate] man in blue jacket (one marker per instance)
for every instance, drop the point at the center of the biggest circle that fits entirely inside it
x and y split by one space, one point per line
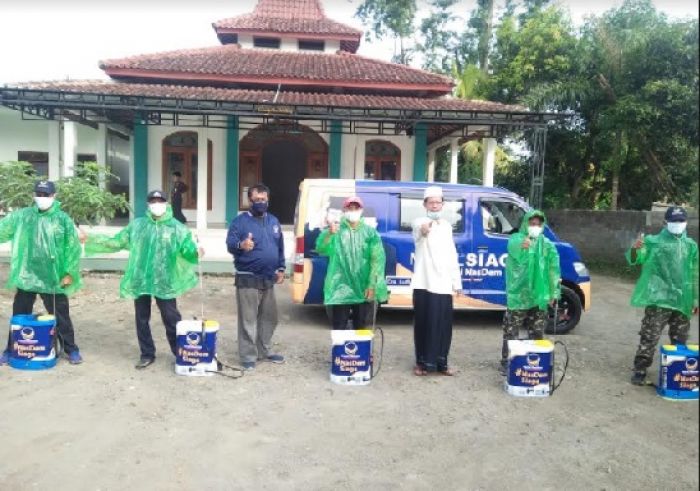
255 240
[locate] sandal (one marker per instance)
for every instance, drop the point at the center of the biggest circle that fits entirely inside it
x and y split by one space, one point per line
419 371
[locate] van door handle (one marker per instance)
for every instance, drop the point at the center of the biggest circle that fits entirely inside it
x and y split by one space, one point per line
482 248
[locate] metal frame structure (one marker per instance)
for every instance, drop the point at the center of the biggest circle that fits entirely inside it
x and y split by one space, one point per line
92 108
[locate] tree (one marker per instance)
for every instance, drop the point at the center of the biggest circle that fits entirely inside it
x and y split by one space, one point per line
81 196
390 17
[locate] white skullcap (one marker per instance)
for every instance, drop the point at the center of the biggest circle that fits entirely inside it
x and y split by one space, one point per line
432 192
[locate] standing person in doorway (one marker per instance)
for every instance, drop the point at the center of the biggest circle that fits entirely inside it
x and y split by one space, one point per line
667 287
356 263
162 254
533 282
179 188
255 240
45 261
436 278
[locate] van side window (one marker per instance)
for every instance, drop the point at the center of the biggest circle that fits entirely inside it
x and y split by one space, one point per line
412 208
500 217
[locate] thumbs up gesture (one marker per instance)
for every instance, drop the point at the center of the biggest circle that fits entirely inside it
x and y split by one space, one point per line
248 244
639 242
526 243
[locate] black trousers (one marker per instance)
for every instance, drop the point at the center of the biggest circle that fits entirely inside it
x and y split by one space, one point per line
24 304
432 329
168 314
361 315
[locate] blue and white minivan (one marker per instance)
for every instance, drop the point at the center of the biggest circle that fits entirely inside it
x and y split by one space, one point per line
482 219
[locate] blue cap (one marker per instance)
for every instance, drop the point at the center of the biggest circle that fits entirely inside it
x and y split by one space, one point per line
47 187
676 214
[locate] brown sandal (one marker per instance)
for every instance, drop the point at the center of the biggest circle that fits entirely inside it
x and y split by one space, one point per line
447 372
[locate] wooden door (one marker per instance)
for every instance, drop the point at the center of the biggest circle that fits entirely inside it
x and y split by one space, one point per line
249 175
317 165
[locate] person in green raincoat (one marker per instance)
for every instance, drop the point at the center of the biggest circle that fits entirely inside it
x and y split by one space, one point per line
667 287
533 280
356 261
162 254
45 260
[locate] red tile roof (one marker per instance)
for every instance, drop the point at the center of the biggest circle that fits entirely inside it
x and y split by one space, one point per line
294 17
265 96
231 65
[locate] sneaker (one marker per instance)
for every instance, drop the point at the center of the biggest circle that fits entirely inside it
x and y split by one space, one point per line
275 358
4 358
248 366
639 377
74 358
144 361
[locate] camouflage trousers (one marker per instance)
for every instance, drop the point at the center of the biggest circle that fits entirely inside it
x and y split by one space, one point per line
653 323
514 320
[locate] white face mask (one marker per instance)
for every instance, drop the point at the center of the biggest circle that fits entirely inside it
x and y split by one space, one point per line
353 216
676 228
43 202
157 209
534 231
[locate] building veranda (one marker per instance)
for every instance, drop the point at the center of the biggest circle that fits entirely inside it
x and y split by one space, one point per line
283 97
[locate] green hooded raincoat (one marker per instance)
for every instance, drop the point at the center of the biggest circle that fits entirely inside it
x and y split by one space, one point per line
669 276
45 248
161 256
533 274
356 262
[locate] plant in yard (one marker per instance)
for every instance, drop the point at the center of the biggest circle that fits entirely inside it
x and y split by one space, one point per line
81 196
16 185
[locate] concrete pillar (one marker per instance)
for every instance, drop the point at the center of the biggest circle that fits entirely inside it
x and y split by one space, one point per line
139 179
488 146
54 150
454 160
101 151
70 144
431 164
336 150
232 150
420 151
202 178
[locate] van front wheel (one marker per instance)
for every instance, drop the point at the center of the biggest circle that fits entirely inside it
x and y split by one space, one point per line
568 313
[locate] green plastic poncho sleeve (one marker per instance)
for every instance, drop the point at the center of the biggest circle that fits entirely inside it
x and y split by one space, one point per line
356 262
161 256
533 275
669 277
45 249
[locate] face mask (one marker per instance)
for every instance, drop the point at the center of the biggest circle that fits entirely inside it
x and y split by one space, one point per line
157 209
434 215
534 231
353 216
259 207
676 228
43 202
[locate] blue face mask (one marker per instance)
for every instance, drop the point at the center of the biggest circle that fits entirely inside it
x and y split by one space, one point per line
259 207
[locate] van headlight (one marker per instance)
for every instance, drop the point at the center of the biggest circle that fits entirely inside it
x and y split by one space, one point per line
581 269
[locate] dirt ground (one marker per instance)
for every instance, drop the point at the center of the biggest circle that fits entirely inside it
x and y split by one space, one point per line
104 425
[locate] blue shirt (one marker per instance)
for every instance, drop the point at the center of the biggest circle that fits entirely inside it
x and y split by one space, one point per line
267 257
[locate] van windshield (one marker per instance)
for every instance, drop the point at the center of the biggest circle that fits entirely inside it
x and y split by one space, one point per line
412 208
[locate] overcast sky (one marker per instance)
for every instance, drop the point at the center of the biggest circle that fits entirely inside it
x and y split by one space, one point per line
58 39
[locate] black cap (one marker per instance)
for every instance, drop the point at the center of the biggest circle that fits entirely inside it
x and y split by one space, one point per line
47 187
156 194
676 214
